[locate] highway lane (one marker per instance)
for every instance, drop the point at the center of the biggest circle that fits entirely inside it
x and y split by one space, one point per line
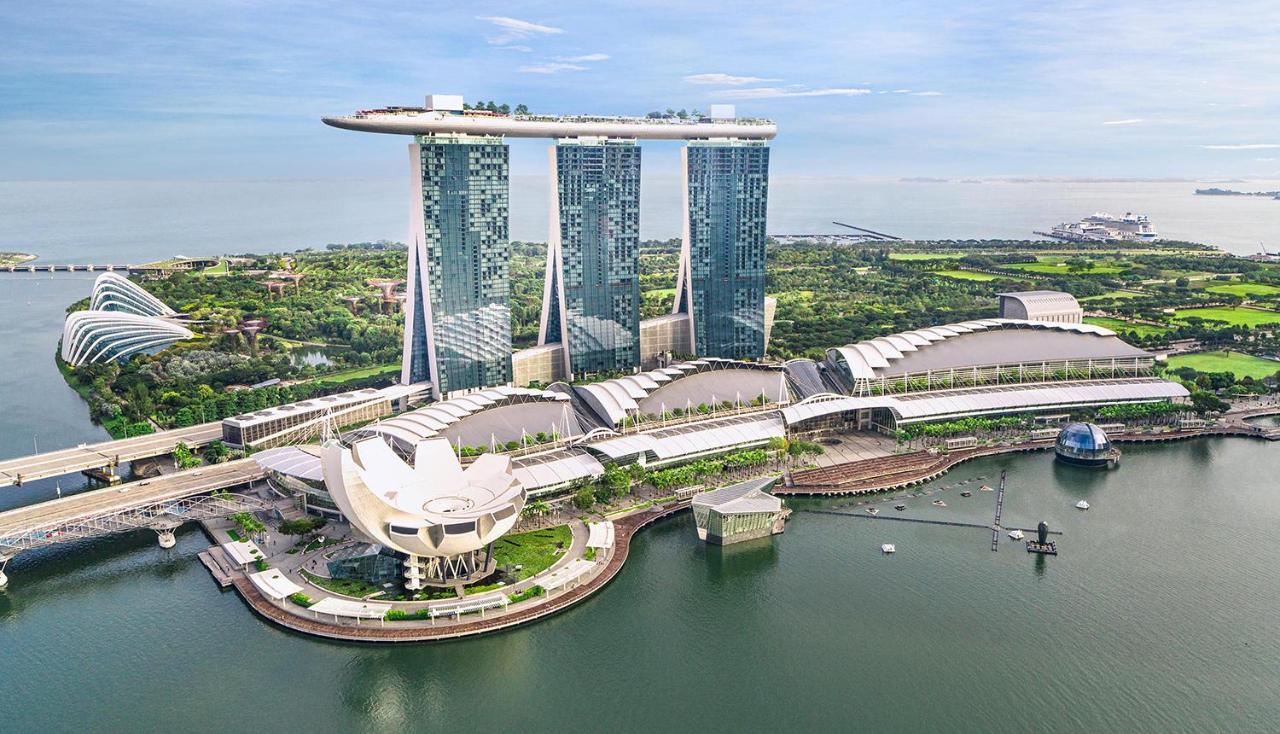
126 496
90 456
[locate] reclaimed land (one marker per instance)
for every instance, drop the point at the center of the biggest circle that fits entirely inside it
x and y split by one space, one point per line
625 529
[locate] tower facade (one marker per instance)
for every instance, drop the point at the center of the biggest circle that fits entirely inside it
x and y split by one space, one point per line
591 297
457 316
721 277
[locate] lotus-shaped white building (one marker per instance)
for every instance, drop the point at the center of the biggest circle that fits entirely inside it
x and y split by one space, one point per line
122 320
442 516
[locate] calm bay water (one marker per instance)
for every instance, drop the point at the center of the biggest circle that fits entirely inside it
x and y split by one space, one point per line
100 220
1162 614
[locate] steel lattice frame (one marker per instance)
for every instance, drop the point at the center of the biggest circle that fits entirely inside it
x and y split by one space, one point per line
160 515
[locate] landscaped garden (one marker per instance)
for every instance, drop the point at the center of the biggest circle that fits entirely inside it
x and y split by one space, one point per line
1237 363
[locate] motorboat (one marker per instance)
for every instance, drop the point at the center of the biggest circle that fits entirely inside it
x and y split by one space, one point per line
899 508
940 503
873 510
1082 505
966 493
888 548
1016 534
985 488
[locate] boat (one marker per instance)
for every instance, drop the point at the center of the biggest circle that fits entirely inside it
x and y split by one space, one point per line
1082 505
888 548
899 507
940 503
1016 534
1103 227
985 488
873 510
966 493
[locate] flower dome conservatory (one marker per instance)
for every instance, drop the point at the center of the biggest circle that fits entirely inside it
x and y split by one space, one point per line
1085 444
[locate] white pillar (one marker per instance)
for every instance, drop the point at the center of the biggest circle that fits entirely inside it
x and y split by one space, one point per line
166 538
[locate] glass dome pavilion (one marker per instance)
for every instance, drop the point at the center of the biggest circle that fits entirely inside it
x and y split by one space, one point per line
1085 444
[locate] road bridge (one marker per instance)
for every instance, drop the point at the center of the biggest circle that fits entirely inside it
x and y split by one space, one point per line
160 504
105 456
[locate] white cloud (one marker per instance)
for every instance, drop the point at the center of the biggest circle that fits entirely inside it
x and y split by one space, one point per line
1265 160
902 91
777 92
1243 146
551 68
521 49
728 79
1127 121
926 94
584 58
514 29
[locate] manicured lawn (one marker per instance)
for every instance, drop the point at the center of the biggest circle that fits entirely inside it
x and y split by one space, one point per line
535 550
925 255
337 378
349 587
1233 316
1241 365
968 275
1113 294
1060 268
1244 290
1123 326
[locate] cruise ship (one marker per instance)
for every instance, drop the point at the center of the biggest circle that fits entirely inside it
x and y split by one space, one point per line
1102 227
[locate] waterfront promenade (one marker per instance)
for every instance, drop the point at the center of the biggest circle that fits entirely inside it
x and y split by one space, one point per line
297 618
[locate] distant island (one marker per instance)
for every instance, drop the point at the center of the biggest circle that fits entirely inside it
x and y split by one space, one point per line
15 258
1229 192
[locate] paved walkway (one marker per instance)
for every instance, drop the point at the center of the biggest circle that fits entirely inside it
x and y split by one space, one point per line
379 631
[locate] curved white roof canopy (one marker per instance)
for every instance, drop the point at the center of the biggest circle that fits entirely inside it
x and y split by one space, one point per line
114 292
919 350
430 508
103 336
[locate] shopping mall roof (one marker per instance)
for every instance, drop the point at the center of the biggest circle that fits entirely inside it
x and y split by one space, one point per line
405 431
692 439
979 343
943 404
682 385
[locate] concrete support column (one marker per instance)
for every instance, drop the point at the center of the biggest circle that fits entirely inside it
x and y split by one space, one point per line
4 580
167 539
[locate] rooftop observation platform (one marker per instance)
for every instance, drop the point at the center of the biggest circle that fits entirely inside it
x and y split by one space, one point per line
424 121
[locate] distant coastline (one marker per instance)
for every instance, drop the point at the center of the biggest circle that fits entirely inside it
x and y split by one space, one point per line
1231 192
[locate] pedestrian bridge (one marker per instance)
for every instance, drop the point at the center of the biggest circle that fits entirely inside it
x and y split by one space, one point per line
160 504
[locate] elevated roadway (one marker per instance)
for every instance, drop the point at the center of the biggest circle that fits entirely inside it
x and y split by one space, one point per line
160 504
107 454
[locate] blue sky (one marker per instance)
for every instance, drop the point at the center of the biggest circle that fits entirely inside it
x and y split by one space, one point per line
159 89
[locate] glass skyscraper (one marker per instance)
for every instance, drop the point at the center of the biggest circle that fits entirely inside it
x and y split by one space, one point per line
591 298
721 274
458 317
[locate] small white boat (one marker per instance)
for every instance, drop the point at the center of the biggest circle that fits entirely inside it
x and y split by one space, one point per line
985 488
873 510
1082 505
1016 534
940 503
888 548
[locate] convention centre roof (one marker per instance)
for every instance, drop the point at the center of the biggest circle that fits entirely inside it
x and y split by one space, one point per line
941 404
978 343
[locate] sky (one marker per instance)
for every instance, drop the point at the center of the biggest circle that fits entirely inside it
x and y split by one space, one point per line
173 90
